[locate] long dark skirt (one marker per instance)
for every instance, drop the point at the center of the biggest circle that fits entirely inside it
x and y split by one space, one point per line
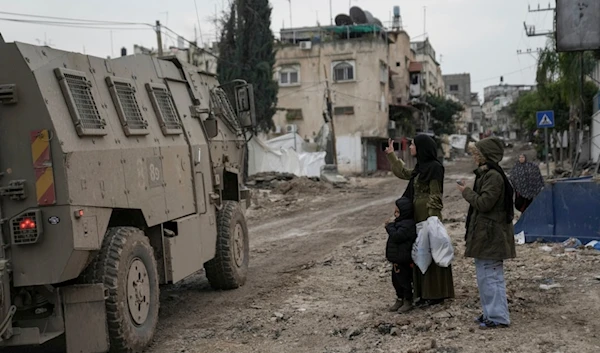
436 283
522 203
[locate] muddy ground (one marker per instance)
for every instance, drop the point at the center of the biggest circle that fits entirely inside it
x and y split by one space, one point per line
319 282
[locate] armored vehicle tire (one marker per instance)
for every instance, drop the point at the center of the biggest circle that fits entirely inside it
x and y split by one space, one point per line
127 267
229 267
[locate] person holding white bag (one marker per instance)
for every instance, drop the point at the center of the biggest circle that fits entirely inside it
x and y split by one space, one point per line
490 232
425 189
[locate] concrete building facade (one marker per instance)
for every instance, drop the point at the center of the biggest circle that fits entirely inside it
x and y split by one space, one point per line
400 59
205 59
432 73
497 99
357 72
459 86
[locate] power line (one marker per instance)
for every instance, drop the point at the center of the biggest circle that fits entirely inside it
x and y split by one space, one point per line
506 74
71 19
198 19
72 24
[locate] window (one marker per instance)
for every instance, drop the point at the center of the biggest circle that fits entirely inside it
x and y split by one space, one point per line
343 111
77 90
383 72
124 98
414 79
397 64
454 88
294 114
163 105
289 76
343 71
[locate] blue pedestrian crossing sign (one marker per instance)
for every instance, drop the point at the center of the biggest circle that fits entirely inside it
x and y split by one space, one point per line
545 119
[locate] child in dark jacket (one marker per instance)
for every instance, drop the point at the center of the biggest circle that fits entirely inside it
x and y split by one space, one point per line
402 234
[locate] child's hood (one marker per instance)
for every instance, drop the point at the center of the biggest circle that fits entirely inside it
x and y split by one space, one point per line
405 206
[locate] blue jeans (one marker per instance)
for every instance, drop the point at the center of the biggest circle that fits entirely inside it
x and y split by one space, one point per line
492 290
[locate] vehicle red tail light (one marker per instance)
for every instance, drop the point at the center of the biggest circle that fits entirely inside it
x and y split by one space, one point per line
27 223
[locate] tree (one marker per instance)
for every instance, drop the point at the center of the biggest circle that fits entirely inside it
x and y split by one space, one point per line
226 69
551 97
566 70
248 53
443 114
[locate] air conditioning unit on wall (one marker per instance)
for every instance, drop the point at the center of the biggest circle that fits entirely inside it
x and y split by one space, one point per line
291 128
306 45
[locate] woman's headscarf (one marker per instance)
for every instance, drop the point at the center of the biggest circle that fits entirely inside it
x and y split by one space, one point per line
428 166
527 179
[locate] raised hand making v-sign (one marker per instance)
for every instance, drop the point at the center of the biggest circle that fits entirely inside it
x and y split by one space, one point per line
390 148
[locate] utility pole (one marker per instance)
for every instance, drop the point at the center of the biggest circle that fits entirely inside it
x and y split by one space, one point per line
540 9
330 14
330 113
290 1
579 123
529 51
159 39
112 52
530 31
425 21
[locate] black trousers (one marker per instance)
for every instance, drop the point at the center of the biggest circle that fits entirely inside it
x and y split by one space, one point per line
402 278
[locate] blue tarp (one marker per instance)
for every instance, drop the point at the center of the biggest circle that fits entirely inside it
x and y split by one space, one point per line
564 209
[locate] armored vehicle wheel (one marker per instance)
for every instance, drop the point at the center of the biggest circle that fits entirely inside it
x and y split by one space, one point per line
229 268
127 267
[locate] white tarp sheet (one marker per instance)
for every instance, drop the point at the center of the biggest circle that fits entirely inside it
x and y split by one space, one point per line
278 155
458 141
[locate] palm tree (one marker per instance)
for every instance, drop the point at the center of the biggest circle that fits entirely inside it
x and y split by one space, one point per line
568 70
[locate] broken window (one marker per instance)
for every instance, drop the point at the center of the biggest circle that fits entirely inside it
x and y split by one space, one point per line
294 114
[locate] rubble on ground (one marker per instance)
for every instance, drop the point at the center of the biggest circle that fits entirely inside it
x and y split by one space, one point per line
268 180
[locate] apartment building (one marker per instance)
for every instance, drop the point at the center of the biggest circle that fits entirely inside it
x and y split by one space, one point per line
349 62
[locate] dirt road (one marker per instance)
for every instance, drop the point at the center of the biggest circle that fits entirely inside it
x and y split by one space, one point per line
319 283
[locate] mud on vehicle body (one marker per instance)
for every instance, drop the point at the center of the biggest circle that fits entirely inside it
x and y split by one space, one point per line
117 176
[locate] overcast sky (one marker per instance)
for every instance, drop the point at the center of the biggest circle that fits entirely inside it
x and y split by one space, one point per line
476 36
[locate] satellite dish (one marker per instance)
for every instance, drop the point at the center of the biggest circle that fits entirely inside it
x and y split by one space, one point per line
369 17
357 15
343 20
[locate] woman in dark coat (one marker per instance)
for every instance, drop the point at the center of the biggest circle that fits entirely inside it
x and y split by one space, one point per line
490 237
527 181
425 188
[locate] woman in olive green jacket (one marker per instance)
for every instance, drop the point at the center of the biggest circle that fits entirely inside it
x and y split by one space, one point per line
490 232
425 188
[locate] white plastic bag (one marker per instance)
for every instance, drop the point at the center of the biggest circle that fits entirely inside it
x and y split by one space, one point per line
421 252
442 251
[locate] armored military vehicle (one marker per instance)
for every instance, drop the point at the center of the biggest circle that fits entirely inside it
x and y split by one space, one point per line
117 176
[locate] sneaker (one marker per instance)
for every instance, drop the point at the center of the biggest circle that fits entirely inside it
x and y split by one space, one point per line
396 305
489 324
406 307
480 319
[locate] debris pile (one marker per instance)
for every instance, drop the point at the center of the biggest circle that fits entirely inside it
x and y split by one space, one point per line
267 181
302 185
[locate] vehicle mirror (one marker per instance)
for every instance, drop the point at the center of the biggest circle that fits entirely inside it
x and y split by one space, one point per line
212 129
244 97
